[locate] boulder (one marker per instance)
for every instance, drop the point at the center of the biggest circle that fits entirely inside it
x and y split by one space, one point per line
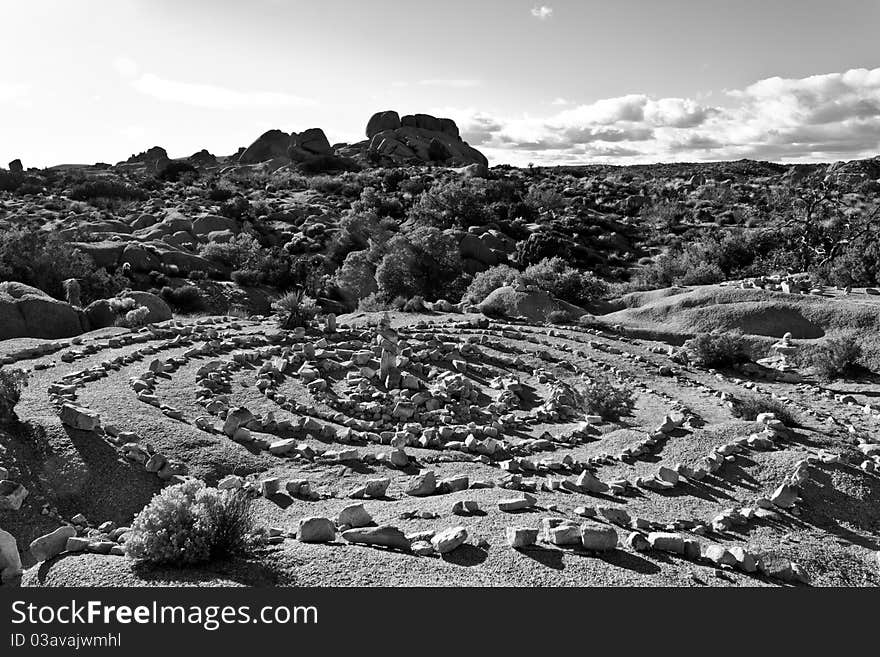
81 419
27 312
159 310
212 223
381 121
420 137
268 146
536 305
308 143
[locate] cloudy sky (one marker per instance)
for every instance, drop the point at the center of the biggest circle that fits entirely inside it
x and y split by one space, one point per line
564 81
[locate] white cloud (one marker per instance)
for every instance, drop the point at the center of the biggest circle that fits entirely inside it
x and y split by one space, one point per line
821 117
12 91
216 97
126 67
543 12
453 84
560 101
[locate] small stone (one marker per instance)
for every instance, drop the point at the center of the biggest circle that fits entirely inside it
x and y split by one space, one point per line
354 515
51 544
422 484
520 537
270 486
449 539
517 503
76 544
316 530
666 542
384 536
637 541
598 537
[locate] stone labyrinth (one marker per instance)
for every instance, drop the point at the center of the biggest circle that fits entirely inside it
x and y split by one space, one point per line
456 450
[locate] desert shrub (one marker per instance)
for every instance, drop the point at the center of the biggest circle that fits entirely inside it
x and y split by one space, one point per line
835 358
858 265
380 204
197 275
186 299
356 277
172 171
236 207
241 252
11 383
10 181
327 163
424 261
540 245
220 193
297 309
719 349
457 203
414 305
158 278
356 231
190 523
560 317
601 397
91 190
372 303
246 277
45 261
541 199
134 318
748 408
555 276
121 305
486 282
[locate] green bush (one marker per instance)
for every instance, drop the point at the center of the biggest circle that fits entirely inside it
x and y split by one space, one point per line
486 282
601 397
185 299
835 358
92 190
560 317
10 181
373 302
190 523
555 276
134 318
457 203
246 277
45 261
297 309
11 383
327 163
748 408
241 252
719 349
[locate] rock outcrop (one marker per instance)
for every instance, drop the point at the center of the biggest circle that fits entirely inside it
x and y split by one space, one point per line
420 138
411 139
26 311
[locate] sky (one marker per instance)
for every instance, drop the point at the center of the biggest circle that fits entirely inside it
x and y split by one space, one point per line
556 82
